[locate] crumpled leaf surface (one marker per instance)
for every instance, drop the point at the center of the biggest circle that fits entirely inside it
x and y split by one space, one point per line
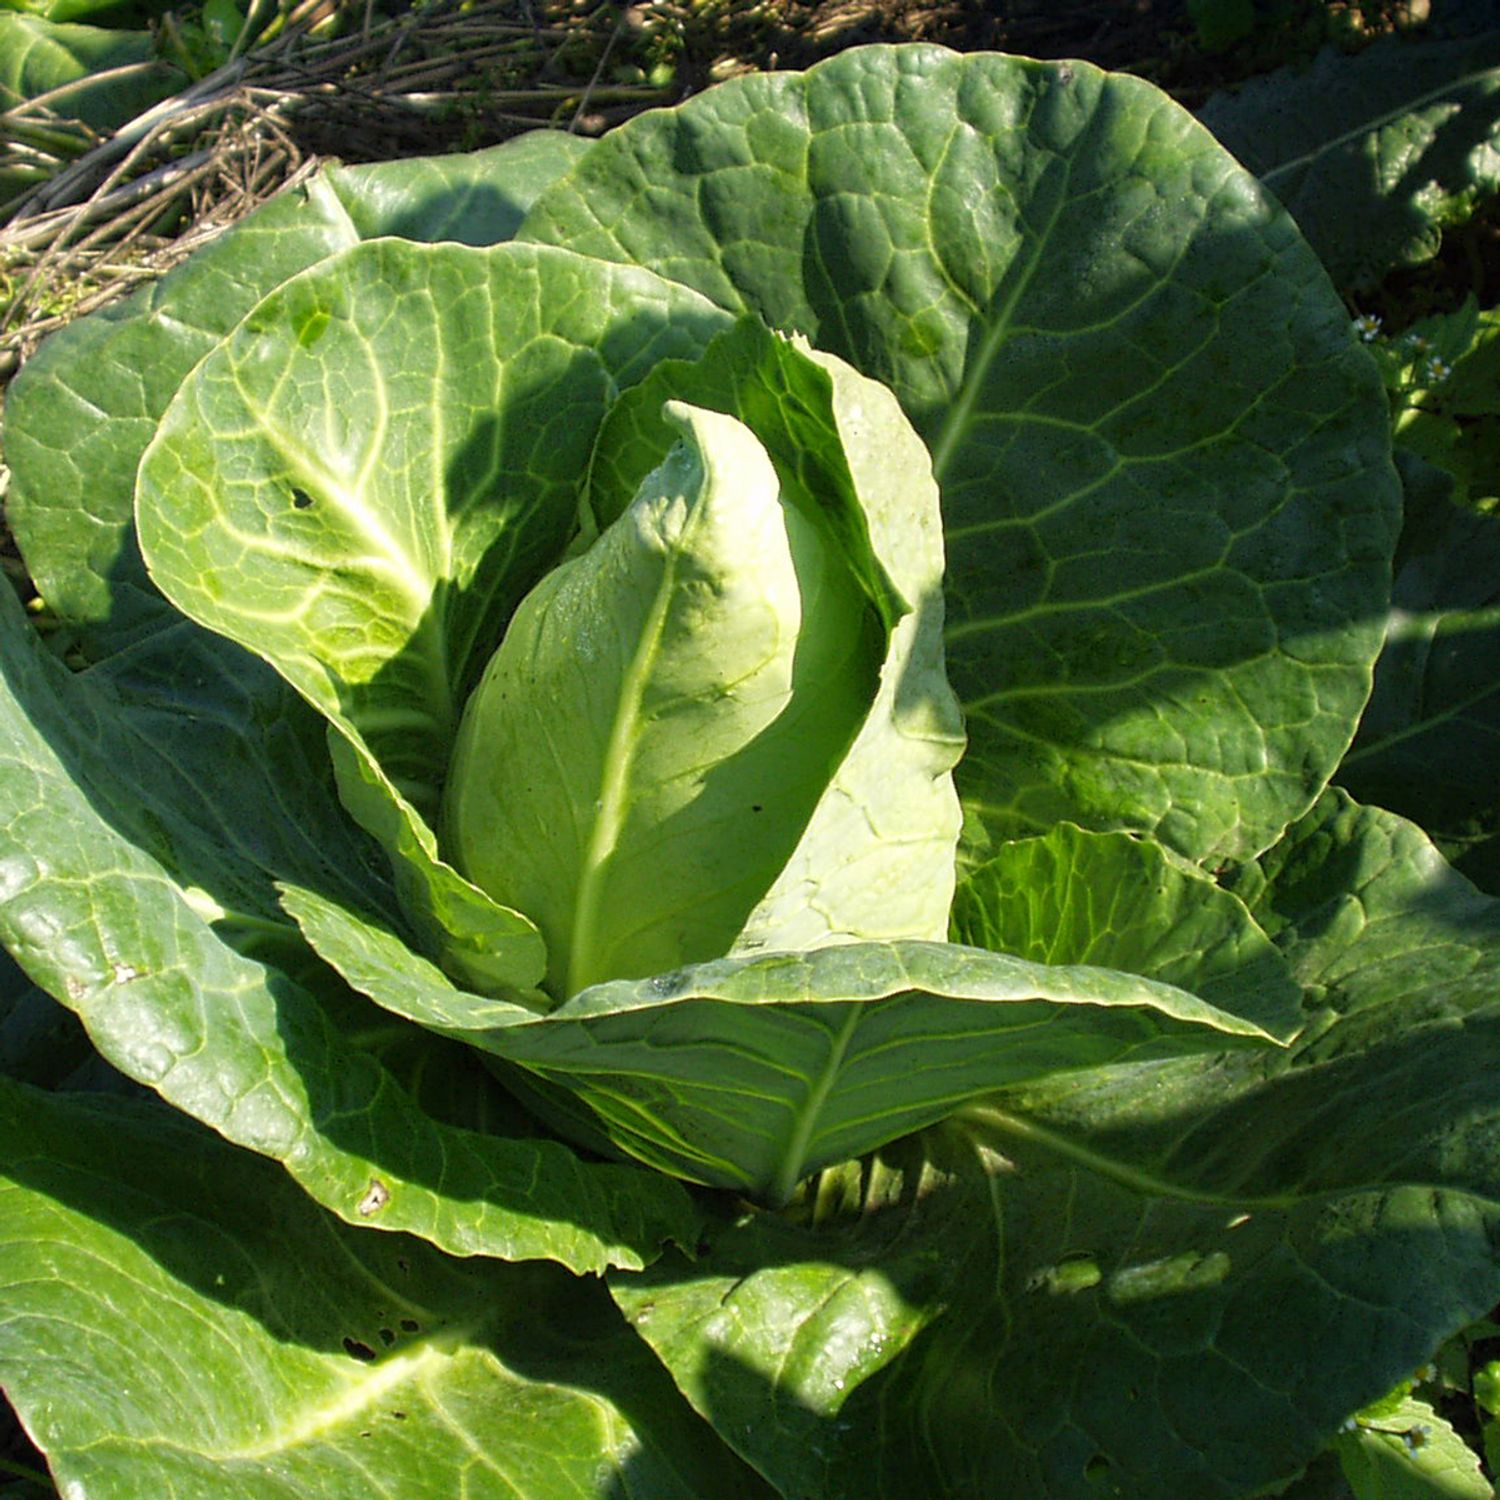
176 1311
1375 154
1073 897
1215 1262
751 1073
1092 315
128 889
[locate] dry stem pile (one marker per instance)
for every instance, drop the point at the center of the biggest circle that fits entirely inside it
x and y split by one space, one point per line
442 76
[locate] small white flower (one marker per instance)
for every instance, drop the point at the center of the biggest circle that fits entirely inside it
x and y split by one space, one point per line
1437 370
1367 326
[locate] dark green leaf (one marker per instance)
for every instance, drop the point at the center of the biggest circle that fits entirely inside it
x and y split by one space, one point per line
1120 902
135 866
1429 741
1047 1329
751 1073
1375 155
1180 1277
176 1318
1371 917
1391 1082
1094 317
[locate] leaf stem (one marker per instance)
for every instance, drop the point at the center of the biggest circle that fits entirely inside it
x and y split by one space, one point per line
986 1117
791 1168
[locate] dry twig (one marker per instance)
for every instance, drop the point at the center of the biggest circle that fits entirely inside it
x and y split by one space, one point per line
439 78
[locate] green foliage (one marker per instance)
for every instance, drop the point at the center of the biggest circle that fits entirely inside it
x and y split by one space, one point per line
1443 375
509 797
322 1357
1428 739
1376 154
1220 23
1401 1449
120 13
101 78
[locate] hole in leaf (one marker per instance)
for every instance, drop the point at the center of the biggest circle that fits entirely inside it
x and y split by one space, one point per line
1073 1273
301 499
402 1264
387 1337
400 1416
410 1325
357 1350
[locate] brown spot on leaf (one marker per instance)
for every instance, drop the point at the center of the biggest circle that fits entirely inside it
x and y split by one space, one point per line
377 1195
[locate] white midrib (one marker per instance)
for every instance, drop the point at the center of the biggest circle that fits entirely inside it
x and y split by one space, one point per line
791 1169
347 1406
390 558
619 761
961 411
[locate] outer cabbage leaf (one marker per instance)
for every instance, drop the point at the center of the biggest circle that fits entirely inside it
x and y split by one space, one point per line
1399 958
1175 1277
1429 741
1370 915
1072 897
1375 155
1048 1328
38 55
84 407
876 859
360 483
136 856
1095 318
751 1073
472 197
176 1312
783 1316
